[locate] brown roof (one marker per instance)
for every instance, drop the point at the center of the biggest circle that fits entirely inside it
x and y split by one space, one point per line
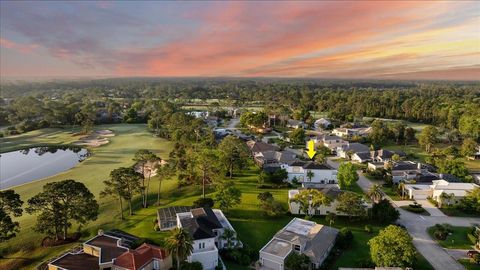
144 254
80 261
109 247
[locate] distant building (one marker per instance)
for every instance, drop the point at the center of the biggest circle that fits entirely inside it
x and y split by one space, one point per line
321 123
291 123
351 148
301 236
454 191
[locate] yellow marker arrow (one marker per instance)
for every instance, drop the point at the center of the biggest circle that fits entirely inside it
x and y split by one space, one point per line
311 149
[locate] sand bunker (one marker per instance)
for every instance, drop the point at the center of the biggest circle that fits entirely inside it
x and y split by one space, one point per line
96 139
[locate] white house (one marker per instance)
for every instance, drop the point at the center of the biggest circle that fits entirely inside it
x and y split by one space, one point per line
322 175
332 142
349 132
206 226
321 123
438 187
301 236
291 123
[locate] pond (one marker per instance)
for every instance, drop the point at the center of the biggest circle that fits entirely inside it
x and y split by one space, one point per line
23 166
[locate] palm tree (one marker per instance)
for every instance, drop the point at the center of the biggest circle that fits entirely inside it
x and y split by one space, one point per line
375 193
179 243
310 175
229 236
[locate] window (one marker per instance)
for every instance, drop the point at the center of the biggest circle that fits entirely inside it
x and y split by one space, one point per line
296 247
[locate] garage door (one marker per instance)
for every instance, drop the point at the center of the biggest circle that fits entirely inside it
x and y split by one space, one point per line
420 197
271 265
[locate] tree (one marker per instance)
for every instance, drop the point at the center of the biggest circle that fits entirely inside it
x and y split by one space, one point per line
379 133
347 175
10 205
409 134
469 147
297 136
206 161
375 193
230 237
310 175
428 137
60 203
227 196
264 196
124 183
384 212
180 243
392 247
322 154
471 202
269 205
144 157
469 125
351 204
455 167
296 261
396 157
203 202
163 172
234 154
310 199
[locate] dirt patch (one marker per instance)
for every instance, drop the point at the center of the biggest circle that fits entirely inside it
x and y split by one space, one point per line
96 139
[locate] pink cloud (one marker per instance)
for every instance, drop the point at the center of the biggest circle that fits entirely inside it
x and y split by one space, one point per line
23 48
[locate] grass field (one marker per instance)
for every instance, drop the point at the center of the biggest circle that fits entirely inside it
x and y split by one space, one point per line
24 249
457 240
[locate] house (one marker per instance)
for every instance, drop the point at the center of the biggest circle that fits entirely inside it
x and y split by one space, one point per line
274 158
257 147
111 250
381 155
344 151
404 171
291 123
302 236
322 175
144 257
206 226
456 191
350 132
321 123
329 141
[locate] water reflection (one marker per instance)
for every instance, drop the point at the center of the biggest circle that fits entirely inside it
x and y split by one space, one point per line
23 166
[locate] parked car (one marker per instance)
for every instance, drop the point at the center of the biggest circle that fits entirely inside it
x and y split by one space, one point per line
470 253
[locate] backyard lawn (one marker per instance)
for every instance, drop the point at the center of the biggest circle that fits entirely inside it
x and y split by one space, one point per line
457 240
468 265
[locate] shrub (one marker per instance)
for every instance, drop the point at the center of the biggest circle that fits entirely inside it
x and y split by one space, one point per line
204 202
191 266
475 259
368 229
156 227
344 238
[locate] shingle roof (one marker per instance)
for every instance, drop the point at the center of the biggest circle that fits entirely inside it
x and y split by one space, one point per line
80 261
144 254
316 166
404 166
201 224
356 147
261 146
109 247
364 155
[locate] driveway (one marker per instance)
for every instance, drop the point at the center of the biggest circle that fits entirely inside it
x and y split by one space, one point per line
458 253
434 211
417 226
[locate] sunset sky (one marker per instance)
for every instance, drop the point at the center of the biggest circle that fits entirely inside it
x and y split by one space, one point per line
371 39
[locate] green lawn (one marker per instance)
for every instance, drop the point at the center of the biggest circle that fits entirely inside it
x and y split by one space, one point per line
468 265
455 212
457 240
41 137
24 250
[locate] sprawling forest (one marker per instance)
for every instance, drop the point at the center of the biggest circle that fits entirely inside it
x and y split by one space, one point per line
453 105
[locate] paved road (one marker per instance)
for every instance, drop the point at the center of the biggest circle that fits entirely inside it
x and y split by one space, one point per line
417 226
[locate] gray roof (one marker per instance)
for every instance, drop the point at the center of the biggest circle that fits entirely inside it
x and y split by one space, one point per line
356 147
316 166
201 224
261 146
405 166
364 155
